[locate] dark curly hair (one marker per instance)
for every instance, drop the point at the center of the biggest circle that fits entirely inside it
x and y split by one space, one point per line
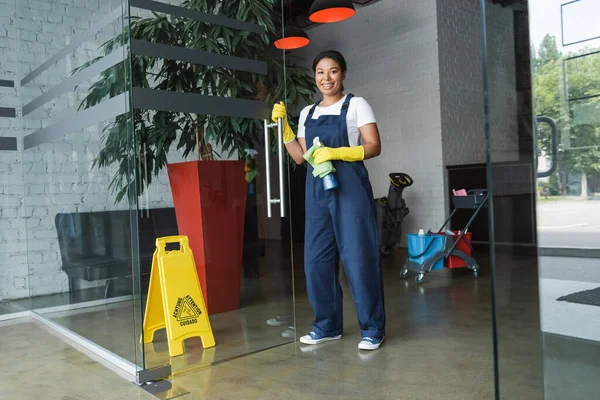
334 55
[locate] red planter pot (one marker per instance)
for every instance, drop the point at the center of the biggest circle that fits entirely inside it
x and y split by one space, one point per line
210 203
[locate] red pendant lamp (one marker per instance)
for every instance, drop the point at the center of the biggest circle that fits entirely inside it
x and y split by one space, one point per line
324 11
291 38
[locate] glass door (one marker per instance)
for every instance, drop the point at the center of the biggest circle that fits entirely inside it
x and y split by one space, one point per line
211 166
547 241
566 99
73 236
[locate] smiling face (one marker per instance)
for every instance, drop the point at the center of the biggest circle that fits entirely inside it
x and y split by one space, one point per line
329 77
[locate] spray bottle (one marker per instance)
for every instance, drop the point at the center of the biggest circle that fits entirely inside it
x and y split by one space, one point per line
324 170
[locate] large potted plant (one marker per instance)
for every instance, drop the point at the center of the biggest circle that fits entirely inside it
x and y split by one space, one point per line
209 194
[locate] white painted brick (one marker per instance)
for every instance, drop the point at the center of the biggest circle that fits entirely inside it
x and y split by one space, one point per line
51 255
66 199
34 257
10 201
39 5
37 168
462 81
33 201
57 29
43 235
56 157
61 9
36 245
9 213
9 235
20 283
78 13
11 177
17 259
38 211
13 247
29 36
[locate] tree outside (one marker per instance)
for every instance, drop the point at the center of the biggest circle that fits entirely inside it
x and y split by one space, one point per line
567 89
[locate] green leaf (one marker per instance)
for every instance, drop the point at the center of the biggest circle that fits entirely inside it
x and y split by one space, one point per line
137 156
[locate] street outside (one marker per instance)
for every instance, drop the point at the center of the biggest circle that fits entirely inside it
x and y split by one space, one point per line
570 222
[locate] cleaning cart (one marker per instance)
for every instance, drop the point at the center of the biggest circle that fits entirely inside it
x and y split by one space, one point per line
432 250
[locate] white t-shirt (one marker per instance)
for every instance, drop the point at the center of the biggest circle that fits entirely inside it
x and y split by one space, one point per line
359 114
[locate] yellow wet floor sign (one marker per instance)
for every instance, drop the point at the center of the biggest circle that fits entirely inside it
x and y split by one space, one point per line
175 298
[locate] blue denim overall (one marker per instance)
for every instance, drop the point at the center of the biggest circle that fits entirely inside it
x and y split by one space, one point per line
341 222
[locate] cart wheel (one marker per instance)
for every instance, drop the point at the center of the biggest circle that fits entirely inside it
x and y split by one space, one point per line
420 278
403 273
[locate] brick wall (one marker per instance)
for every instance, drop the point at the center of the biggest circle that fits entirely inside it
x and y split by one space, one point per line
461 82
53 177
502 76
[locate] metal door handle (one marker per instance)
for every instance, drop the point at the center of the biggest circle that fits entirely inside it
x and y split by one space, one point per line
281 166
554 144
281 199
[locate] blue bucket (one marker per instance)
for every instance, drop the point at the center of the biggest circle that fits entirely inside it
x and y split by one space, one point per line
422 248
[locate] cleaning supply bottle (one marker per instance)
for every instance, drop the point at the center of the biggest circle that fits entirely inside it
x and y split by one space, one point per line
324 170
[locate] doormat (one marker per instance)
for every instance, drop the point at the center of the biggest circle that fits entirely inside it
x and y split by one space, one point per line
589 297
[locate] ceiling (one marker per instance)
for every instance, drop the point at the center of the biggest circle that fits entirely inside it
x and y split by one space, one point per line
296 11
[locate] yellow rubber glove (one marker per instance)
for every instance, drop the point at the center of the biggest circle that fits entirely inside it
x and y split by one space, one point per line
279 111
354 153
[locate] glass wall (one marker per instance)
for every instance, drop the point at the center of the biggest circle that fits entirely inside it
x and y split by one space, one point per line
72 90
107 144
511 182
204 84
542 170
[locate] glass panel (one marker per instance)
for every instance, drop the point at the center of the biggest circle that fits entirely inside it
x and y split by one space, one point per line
78 237
545 229
511 181
424 83
204 82
566 89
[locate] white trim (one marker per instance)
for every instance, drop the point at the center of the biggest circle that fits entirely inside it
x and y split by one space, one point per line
15 315
119 365
65 307
92 303
15 321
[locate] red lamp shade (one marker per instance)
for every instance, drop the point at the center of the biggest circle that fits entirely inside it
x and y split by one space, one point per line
292 38
324 11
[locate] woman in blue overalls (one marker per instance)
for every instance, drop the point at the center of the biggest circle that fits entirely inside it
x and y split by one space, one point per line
340 223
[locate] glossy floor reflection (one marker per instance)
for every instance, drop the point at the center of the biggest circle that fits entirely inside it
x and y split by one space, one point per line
36 364
439 345
237 332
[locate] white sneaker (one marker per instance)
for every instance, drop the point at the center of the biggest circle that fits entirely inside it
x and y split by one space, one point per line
289 333
277 321
314 338
370 343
